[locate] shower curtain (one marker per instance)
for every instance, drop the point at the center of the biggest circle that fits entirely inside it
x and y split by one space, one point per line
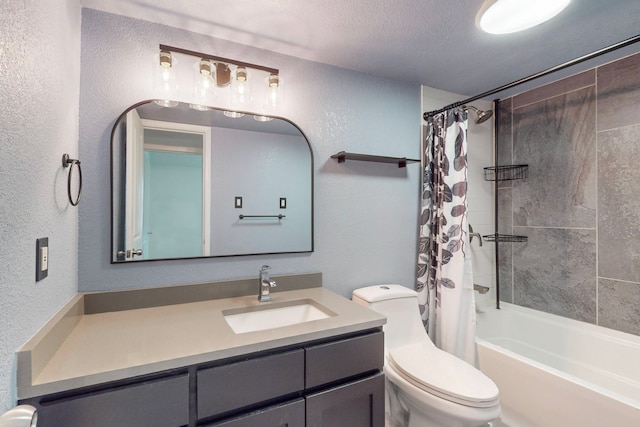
445 277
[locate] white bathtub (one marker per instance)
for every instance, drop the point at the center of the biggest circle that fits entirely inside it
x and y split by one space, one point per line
558 372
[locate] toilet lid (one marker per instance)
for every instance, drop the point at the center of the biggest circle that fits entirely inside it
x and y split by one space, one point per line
444 375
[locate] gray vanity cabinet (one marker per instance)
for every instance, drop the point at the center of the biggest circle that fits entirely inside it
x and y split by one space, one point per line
157 403
248 382
342 386
355 404
290 414
334 382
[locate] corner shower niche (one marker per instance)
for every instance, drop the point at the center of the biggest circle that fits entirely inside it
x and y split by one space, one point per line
505 173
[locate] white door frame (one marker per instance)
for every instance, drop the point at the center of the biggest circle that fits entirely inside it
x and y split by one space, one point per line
205 131
133 191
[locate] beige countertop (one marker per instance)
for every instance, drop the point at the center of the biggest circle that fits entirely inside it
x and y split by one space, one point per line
76 349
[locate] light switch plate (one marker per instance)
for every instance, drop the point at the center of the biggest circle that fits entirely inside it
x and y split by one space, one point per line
42 258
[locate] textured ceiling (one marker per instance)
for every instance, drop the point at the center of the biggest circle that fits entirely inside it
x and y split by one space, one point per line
430 42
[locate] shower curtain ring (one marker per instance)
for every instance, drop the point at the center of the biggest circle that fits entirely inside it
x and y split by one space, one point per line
66 162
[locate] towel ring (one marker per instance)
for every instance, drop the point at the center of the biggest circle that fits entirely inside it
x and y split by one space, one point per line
66 162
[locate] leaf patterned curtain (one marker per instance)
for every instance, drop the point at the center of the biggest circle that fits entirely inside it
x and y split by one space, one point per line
445 277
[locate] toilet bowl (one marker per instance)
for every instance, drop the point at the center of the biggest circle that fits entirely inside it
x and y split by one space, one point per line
426 387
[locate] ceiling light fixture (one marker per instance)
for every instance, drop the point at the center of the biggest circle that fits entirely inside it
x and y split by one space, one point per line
510 16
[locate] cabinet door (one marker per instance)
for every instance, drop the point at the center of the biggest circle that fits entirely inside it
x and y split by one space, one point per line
287 415
357 404
159 403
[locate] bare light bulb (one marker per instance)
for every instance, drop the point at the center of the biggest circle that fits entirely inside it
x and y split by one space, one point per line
274 89
204 83
240 93
165 79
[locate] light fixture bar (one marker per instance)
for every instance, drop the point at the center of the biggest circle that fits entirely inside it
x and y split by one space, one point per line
218 59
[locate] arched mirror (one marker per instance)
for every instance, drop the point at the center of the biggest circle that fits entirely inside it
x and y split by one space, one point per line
188 183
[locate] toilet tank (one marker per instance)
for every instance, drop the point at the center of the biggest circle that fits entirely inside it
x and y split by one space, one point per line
400 305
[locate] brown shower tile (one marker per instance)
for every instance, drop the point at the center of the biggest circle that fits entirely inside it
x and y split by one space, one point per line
571 83
556 138
554 271
505 255
619 203
619 93
505 271
504 137
619 305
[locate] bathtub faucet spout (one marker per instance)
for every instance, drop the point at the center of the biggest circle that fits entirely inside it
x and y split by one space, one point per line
480 289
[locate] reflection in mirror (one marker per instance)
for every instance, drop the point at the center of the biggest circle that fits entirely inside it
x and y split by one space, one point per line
189 183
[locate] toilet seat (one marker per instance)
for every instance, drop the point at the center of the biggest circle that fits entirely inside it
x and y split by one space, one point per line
444 375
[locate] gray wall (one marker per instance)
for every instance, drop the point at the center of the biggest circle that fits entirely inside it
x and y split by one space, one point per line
580 205
365 213
39 75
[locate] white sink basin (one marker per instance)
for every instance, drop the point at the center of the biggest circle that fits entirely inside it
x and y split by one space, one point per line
275 315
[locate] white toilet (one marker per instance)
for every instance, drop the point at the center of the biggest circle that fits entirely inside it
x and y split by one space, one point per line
436 388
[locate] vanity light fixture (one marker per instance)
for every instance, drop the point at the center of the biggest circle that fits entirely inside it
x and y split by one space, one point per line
213 72
203 82
240 92
200 107
233 114
165 78
510 16
274 93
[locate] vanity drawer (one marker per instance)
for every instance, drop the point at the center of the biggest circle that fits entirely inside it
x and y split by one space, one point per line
159 403
290 414
228 387
346 358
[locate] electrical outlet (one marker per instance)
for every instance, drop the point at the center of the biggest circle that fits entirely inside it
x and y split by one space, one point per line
42 258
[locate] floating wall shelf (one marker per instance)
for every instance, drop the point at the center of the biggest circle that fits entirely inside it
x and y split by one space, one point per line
343 156
504 238
506 173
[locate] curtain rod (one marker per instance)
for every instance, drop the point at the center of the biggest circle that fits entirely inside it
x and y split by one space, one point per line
567 64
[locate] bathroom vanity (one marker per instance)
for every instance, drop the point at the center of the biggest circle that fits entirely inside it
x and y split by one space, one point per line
130 359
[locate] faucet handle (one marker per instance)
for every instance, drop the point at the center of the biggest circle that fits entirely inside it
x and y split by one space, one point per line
264 268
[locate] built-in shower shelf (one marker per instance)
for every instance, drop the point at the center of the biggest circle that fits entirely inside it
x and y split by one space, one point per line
506 173
343 156
504 238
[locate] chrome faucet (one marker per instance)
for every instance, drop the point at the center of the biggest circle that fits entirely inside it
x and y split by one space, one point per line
265 284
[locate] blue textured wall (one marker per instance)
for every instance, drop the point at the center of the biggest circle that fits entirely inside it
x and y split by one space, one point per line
39 89
365 213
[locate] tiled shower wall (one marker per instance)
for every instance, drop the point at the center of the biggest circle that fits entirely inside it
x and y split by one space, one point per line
580 205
